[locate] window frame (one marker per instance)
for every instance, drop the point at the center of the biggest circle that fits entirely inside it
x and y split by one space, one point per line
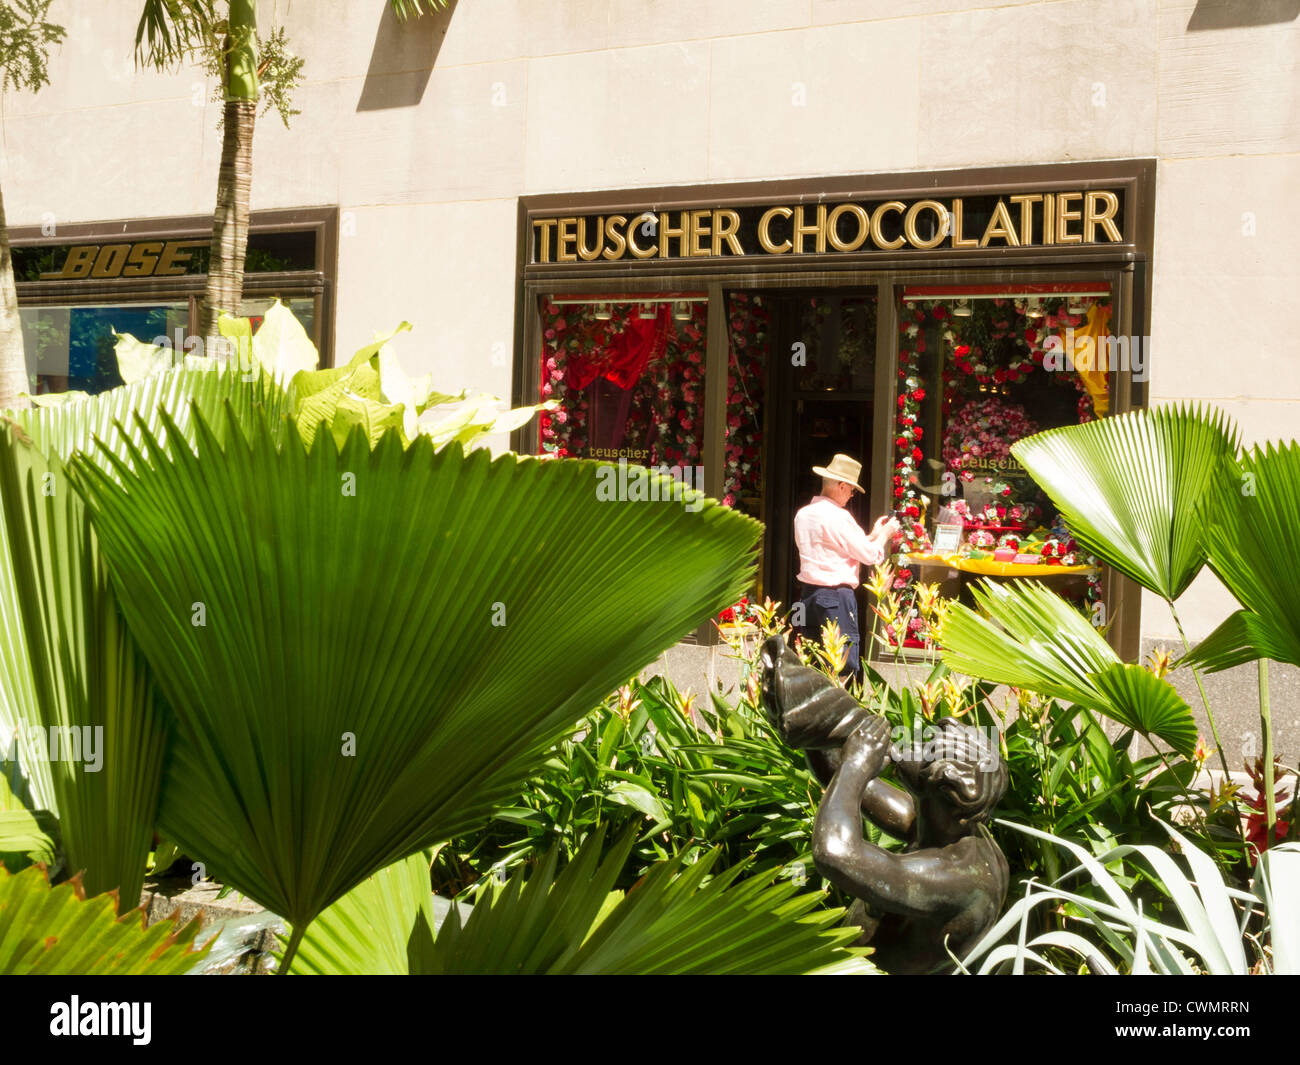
1126 266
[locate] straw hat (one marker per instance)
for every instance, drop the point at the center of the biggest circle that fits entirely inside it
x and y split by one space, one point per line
842 468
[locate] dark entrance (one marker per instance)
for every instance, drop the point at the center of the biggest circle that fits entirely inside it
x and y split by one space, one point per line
822 402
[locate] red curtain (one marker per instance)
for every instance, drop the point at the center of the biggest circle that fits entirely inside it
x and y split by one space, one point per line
623 362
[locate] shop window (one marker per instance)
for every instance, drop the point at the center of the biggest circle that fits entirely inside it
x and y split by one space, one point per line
628 377
71 348
980 368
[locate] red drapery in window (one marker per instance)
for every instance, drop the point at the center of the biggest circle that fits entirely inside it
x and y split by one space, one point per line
625 360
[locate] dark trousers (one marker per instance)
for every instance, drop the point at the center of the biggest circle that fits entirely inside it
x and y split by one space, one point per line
840 605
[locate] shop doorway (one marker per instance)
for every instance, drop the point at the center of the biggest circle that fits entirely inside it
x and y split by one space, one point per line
823 372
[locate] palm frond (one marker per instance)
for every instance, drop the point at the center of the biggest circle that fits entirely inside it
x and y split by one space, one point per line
365 650
58 931
1252 540
1036 640
1129 487
171 30
73 674
677 919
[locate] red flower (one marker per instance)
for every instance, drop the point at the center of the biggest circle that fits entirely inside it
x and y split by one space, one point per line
917 454
898 493
940 311
901 401
901 442
912 512
961 350
918 432
919 395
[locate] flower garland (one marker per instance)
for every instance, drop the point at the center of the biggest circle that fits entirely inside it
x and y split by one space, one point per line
665 409
908 498
748 323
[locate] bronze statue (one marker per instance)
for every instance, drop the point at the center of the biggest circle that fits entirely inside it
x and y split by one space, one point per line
949 885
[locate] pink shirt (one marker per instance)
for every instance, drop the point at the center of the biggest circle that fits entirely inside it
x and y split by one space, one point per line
831 544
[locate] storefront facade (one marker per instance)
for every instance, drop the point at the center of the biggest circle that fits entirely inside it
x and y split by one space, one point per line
451 154
146 277
743 334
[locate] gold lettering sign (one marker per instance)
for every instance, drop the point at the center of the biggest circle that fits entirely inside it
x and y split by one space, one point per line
148 258
820 228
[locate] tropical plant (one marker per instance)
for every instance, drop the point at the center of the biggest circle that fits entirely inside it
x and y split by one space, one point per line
1132 489
300 622
25 40
1209 927
686 778
1032 638
371 391
71 672
225 37
679 918
58 931
1246 532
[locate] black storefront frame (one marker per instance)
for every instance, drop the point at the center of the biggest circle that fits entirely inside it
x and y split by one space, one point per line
316 284
1124 265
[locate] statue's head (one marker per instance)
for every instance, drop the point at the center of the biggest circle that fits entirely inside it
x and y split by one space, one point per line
957 774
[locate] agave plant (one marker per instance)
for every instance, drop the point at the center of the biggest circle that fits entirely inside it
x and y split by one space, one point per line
1211 936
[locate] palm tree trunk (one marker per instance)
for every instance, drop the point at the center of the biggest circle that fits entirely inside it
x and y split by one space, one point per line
13 362
230 220
235 178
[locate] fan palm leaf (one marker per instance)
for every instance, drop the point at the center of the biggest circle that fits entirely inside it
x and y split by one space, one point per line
365 650
1129 488
72 673
58 931
1251 537
1034 639
676 919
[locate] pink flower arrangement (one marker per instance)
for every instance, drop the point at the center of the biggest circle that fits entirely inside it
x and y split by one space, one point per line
984 429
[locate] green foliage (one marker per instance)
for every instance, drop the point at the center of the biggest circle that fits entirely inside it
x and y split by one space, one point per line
685 778
1031 638
371 392
58 931
69 663
1130 488
1249 519
330 616
25 40
1206 924
677 919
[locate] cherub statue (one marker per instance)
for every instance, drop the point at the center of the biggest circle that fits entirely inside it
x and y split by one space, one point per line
947 888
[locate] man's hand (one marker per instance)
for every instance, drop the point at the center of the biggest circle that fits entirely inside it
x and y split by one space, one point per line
884 531
867 746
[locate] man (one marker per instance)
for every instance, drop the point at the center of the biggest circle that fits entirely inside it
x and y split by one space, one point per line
945 891
831 547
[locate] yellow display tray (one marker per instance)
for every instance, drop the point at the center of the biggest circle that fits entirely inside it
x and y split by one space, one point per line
987 567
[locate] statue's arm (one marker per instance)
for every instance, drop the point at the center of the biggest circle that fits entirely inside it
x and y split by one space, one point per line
892 809
918 884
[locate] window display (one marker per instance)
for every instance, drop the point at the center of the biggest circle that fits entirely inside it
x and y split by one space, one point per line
628 374
979 369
